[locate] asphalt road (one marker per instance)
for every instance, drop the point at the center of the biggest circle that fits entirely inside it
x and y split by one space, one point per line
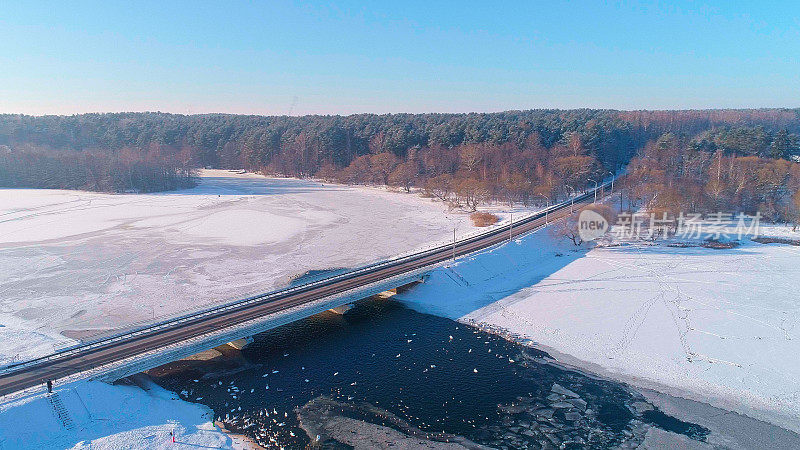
105 351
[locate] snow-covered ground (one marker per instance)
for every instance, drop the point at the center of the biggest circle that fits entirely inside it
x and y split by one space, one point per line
92 415
74 264
719 326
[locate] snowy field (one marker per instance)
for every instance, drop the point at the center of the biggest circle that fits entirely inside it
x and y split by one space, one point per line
718 326
92 415
77 264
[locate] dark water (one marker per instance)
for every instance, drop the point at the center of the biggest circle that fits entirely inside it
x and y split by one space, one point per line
434 373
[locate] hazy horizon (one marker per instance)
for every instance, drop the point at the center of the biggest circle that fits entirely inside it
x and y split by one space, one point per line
403 112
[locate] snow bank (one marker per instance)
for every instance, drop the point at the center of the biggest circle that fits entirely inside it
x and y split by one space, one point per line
720 326
95 415
483 278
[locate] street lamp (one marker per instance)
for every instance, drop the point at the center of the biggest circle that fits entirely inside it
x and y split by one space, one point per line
613 175
595 189
454 222
546 207
511 227
572 195
454 243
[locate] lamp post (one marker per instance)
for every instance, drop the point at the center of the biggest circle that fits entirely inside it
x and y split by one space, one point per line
595 189
613 175
453 222
454 243
546 207
573 193
511 227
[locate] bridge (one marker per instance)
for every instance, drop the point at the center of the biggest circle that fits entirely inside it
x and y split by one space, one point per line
133 351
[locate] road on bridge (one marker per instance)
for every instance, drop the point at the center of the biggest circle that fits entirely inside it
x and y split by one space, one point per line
92 355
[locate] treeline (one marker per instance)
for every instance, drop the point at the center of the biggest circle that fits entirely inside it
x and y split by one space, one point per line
694 122
123 171
749 141
468 175
675 174
513 156
301 146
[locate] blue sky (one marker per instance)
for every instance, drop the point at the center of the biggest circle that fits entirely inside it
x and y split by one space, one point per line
348 57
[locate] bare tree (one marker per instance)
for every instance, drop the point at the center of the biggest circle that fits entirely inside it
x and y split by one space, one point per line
567 228
382 166
440 186
472 192
404 175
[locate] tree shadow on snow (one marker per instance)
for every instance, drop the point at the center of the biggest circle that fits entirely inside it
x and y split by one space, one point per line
254 186
481 279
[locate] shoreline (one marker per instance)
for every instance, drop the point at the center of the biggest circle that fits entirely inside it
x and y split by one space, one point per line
731 423
771 417
593 304
244 442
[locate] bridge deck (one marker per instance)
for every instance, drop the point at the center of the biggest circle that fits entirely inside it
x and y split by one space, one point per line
138 350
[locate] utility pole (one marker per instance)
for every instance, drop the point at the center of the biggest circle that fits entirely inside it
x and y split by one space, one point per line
454 243
613 175
595 189
546 209
510 228
572 195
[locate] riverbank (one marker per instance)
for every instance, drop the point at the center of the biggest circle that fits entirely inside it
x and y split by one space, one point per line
93 414
728 429
239 441
704 324
383 375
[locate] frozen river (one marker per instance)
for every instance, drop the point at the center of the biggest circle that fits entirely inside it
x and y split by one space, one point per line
384 373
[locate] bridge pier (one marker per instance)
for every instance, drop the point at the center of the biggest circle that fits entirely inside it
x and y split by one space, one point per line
387 294
384 288
240 344
342 309
382 295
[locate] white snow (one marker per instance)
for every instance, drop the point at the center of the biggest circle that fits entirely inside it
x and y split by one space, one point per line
78 264
100 416
26 339
720 326
715 325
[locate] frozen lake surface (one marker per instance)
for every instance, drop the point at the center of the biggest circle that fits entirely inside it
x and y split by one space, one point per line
76 264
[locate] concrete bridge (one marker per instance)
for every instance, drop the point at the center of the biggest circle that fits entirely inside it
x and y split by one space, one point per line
337 303
150 346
